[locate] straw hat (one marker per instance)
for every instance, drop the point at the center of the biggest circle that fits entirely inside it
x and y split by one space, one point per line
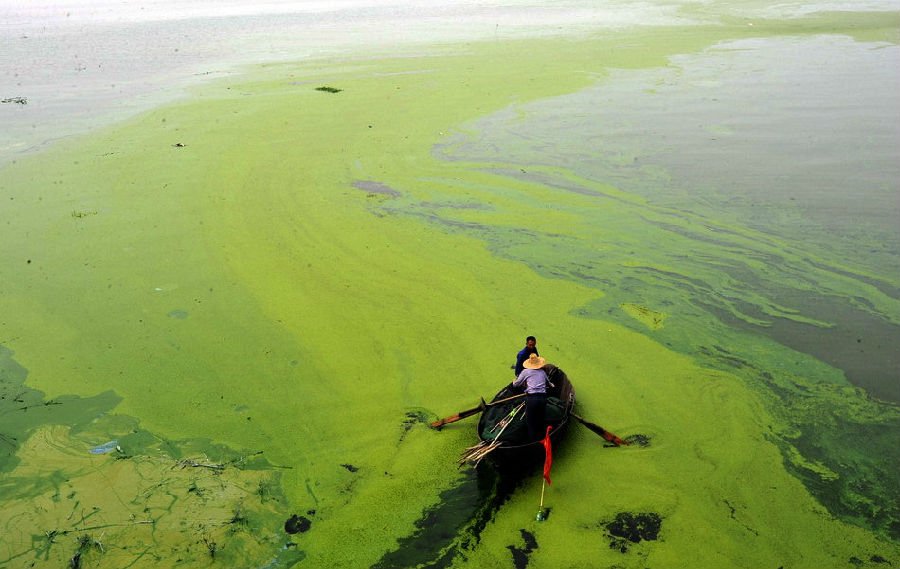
534 361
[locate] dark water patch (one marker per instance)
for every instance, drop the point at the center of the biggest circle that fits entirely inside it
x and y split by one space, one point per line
445 532
630 528
860 343
855 488
297 524
376 188
521 555
888 289
350 467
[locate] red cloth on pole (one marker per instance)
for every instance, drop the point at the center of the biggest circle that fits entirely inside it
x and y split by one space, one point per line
548 456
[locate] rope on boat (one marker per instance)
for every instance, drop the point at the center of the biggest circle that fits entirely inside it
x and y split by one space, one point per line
476 454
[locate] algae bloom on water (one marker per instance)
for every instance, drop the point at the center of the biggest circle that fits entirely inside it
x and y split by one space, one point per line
227 321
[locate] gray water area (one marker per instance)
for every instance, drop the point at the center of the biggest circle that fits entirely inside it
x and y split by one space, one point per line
761 124
794 137
81 65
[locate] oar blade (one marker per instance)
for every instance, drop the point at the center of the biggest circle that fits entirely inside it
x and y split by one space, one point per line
610 437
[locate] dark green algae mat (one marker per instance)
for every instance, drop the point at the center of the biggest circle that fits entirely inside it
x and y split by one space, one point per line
226 324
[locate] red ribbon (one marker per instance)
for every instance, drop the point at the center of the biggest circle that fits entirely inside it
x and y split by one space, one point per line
548 456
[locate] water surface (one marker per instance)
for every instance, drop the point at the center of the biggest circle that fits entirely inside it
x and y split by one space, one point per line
265 291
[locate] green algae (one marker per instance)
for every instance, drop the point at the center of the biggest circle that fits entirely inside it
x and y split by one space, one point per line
321 316
649 318
147 501
23 410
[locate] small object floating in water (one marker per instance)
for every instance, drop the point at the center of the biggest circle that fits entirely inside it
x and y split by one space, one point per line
638 439
327 89
179 145
542 514
105 448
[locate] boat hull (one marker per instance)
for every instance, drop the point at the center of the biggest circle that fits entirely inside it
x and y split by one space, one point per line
517 450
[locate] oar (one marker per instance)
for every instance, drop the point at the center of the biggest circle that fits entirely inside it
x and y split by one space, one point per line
600 431
596 428
469 412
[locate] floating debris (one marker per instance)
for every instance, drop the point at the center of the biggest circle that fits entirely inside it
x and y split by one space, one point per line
328 89
297 524
17 100
105 448
630 528
638 439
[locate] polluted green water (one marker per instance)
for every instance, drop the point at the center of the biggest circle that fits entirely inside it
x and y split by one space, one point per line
227 323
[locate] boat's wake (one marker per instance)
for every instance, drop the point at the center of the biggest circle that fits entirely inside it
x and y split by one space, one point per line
453 527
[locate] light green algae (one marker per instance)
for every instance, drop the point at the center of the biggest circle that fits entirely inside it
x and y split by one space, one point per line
333 281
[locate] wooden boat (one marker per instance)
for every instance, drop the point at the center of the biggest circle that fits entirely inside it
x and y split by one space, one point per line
502 429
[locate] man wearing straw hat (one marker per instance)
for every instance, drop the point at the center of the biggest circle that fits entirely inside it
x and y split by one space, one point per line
535 381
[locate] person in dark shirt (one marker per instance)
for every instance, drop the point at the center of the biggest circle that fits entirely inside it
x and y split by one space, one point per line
535 382
524 353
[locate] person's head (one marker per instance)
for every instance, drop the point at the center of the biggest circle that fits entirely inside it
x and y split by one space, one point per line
530 342
534 361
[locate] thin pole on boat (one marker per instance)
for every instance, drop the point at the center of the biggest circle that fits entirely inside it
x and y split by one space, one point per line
548 461
540 515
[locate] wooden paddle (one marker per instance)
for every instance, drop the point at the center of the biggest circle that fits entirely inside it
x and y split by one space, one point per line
600 431
473 411
595 427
